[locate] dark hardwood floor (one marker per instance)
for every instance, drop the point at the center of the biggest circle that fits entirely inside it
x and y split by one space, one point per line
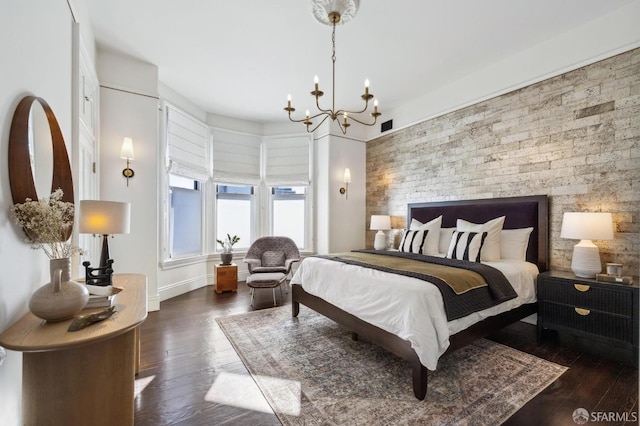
193 376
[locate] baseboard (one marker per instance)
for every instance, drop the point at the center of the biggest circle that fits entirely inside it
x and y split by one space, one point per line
153 303
181 287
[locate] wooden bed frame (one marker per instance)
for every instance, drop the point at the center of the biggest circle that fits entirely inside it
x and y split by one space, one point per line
520 212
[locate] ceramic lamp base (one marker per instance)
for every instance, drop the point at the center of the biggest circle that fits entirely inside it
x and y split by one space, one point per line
380 243
585 262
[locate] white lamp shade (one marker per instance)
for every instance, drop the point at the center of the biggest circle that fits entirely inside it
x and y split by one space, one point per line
126 152
104 217
380 222
347 175
587 226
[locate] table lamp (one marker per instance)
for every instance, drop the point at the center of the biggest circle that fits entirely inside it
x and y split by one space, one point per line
586 226
104 218
380 223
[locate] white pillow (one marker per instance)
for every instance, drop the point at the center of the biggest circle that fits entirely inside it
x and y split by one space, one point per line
466 245
514 243
445 239
414 241
433 237
491 248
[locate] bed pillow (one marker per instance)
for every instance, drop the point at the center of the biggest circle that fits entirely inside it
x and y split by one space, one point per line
491 247
514 243
445 239
433 237
414 241
466 245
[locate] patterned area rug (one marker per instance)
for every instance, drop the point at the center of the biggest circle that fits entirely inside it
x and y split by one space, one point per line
311 372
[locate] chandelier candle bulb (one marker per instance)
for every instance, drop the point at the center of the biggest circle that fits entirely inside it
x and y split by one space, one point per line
366 86
288 101
315 82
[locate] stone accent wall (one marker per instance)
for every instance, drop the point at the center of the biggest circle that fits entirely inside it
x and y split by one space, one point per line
574 137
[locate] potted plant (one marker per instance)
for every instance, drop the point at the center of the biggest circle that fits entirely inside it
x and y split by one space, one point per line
227 247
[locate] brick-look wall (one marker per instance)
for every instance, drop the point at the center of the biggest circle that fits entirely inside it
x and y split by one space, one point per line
574 137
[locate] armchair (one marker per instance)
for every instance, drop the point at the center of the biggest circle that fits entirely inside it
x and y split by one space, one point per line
269 260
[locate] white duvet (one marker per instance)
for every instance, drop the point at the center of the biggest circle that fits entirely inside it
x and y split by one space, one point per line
407 307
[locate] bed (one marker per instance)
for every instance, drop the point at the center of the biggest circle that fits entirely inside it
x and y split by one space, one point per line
519 212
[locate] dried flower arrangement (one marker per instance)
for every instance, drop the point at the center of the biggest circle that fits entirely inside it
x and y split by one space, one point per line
47 223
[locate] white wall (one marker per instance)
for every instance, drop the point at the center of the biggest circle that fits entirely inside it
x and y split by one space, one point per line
35 42
340 221
347 215
129 107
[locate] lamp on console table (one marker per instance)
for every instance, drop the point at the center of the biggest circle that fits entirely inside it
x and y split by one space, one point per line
104 218
586 226
380 223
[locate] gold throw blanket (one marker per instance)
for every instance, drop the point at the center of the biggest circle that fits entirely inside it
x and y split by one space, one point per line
460 280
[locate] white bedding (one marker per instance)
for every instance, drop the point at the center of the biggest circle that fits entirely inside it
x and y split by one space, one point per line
405 306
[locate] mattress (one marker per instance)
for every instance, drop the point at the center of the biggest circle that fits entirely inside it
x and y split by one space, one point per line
408 307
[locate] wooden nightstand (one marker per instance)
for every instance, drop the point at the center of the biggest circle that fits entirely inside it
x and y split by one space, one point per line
604 314
226 278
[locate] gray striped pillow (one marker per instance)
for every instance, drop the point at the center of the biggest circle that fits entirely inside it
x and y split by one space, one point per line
413 241
466 245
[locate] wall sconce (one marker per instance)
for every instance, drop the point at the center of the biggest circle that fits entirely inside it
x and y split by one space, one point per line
347 180
586 226
126 153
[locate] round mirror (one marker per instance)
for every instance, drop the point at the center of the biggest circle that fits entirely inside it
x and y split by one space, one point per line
40 149
38 160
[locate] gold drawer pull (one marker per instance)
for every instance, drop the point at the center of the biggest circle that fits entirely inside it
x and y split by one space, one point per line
582 287
583 312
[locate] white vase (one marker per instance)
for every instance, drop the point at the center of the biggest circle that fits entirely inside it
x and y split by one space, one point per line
61 298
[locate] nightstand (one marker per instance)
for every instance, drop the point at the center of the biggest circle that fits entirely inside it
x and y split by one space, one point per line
605 315
226 277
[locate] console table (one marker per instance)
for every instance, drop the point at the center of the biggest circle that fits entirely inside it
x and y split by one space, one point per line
85 376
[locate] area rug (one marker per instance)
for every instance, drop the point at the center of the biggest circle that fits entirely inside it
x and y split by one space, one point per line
312 373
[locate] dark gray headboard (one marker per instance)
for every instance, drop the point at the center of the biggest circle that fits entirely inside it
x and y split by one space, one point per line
519 212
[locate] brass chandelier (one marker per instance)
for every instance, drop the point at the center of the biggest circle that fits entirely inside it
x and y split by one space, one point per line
332 13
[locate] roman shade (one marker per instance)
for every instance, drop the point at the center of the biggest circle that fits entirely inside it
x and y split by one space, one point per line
187 145
236 157
287 161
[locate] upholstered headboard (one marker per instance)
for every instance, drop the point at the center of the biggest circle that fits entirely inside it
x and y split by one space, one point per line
519 212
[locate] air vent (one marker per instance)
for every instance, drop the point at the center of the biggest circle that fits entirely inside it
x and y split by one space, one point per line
387 125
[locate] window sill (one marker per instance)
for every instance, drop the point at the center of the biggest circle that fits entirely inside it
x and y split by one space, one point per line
168 264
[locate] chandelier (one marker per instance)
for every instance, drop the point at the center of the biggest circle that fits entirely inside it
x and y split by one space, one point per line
332 13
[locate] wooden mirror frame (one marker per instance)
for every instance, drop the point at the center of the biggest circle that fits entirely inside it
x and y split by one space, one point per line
20 172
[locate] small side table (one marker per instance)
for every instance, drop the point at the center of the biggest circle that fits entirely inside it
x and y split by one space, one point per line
226 278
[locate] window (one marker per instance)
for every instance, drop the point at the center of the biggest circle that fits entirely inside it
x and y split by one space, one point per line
288 218
234 213
185 216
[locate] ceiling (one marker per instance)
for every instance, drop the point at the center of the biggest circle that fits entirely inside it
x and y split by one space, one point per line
241 58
